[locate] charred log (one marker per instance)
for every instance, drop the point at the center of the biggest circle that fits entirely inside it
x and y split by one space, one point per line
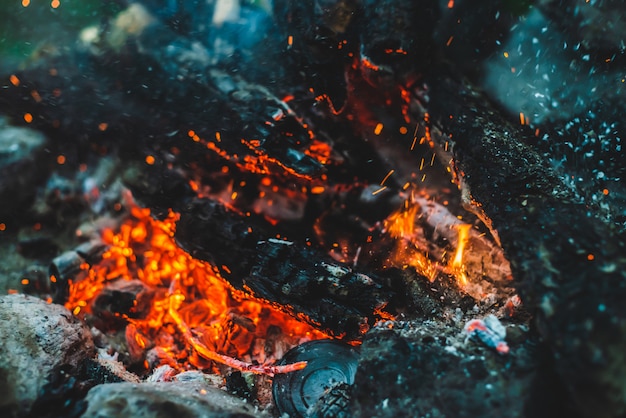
568 263
299 277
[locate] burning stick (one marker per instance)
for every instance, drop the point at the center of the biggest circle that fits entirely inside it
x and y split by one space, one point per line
204 351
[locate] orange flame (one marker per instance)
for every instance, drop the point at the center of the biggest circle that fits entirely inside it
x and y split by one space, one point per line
457 261
401 225
412 249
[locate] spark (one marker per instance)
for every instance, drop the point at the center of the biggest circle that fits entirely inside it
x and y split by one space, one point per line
375 192
386 177
378 129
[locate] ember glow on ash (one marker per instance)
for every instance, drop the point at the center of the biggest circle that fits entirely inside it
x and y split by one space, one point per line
183 314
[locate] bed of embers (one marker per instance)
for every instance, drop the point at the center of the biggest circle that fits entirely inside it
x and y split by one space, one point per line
193 190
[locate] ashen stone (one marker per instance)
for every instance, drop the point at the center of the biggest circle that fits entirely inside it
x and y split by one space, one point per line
180 399
36 338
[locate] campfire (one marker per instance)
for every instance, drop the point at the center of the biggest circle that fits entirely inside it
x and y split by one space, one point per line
305 209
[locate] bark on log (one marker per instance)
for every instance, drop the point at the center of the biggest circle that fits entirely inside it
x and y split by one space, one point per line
568 265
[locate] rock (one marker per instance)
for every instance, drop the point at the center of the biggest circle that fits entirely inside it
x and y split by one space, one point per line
37 338
22 151
181 399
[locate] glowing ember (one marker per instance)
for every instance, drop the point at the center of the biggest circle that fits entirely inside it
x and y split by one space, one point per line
193 317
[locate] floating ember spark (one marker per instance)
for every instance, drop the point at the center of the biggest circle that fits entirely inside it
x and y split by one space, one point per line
191 311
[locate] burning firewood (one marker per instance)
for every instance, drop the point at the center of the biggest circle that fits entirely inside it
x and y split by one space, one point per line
333 296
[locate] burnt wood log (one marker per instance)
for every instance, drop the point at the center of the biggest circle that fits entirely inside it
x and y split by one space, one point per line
298 278
568 264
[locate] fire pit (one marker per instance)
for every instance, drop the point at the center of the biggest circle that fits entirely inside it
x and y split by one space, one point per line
231 208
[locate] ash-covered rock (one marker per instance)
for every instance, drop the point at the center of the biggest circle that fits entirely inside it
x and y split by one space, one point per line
22 153
37 338
160 399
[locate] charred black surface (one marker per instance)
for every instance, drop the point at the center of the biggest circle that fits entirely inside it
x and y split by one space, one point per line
567 262
123 298
294 276
417 372
63 396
